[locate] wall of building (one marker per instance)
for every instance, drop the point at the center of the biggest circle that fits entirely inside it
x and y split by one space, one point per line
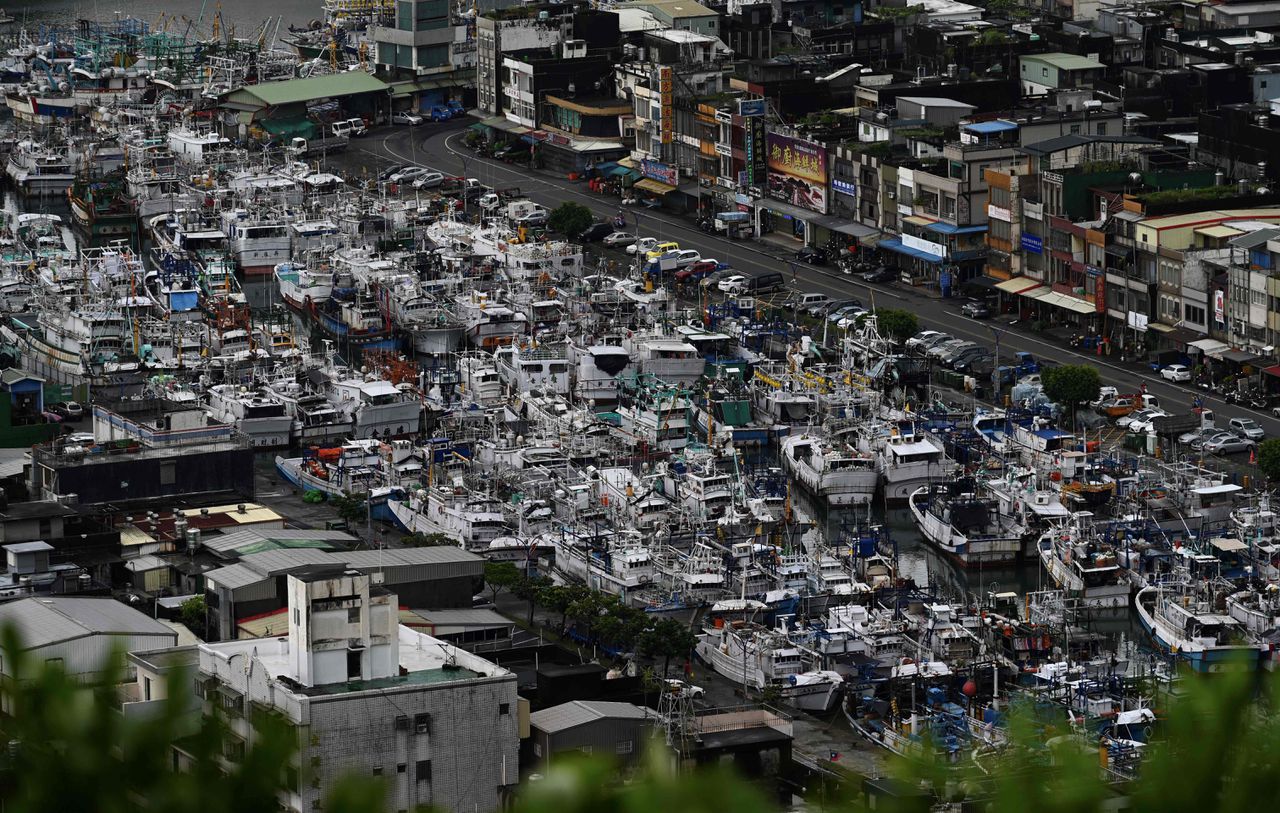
608 738
149 477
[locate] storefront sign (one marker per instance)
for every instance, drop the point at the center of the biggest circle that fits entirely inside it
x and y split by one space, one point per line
844 187
741 199
999 213
658 171
1032 211
724 117
919 244
1137 321
723 149
1220 306
755 151
798 172
751 107
666 93
1032 243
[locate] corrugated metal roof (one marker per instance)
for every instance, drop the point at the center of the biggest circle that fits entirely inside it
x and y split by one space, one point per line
276 561
145 563
44 621
578 712
229 543
466 617
234 576
294 91
408 556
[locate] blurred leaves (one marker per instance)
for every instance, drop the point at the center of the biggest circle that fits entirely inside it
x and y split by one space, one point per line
69 748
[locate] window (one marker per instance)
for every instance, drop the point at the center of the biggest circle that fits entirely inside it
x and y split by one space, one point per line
1102 128
504 708
625 747
402 723
422 723
377 770
297 616
537 749
146 688
353 664
168 472
422 771
353 615
402 768
53 662
1075 129
586 749
1044 72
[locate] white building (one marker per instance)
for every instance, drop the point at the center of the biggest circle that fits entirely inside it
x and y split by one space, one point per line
371 697
80 635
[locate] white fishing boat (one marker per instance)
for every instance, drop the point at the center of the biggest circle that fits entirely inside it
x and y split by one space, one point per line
830 470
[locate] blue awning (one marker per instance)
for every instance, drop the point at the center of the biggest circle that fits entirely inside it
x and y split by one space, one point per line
990 127
895 244
605 167
947 228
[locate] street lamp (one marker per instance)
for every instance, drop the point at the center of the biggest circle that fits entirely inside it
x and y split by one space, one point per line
996 335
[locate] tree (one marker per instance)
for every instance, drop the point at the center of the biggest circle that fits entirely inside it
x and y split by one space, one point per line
898 325
1269 458
570 219
500 576
529 589
192 614
667 639
559 598
350 509
1071 384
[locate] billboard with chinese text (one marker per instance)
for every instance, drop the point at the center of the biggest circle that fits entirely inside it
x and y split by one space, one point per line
798 172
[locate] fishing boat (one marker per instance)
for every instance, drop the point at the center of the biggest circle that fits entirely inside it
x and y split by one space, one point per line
968 528
1079 561
832 471
1183 620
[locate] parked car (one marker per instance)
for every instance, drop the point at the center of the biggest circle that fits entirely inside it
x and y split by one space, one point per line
940 349
1247 428
1196 438
965 355
949 357
619 238
67 409
387 172
1176 372
81 438
880 275
697 271
839 313
851 316
969 363
680 687
1105 393
515 151
733 284
1139 416
687 257
643 246
811 255
809 304
975 309
408 175
1117 407
428 180
596 231
405 117
921 339
1227 443
1144 420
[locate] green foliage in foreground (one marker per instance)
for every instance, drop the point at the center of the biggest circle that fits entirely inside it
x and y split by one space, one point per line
69 749
1269 458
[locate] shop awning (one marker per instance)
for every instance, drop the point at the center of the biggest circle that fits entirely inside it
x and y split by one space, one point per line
843 226
983 282
1240 356
1068 303
1035 292
895 245
656 187
946 228
1017 285
1210 347
1272 370
624 172
788 209
504 124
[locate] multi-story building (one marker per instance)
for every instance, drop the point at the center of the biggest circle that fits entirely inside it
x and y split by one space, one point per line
1040 74
367 696
427 40
499 32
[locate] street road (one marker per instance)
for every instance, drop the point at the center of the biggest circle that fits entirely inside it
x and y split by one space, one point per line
439 147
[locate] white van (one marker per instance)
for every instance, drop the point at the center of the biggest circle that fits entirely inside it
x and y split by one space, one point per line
342 128
358 127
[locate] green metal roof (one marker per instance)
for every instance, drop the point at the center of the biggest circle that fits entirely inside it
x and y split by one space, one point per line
296 91
1065 62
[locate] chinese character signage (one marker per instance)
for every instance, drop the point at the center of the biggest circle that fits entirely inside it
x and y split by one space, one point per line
751 107
844 187
658 171
798 172
666 93
755 151
1032 243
